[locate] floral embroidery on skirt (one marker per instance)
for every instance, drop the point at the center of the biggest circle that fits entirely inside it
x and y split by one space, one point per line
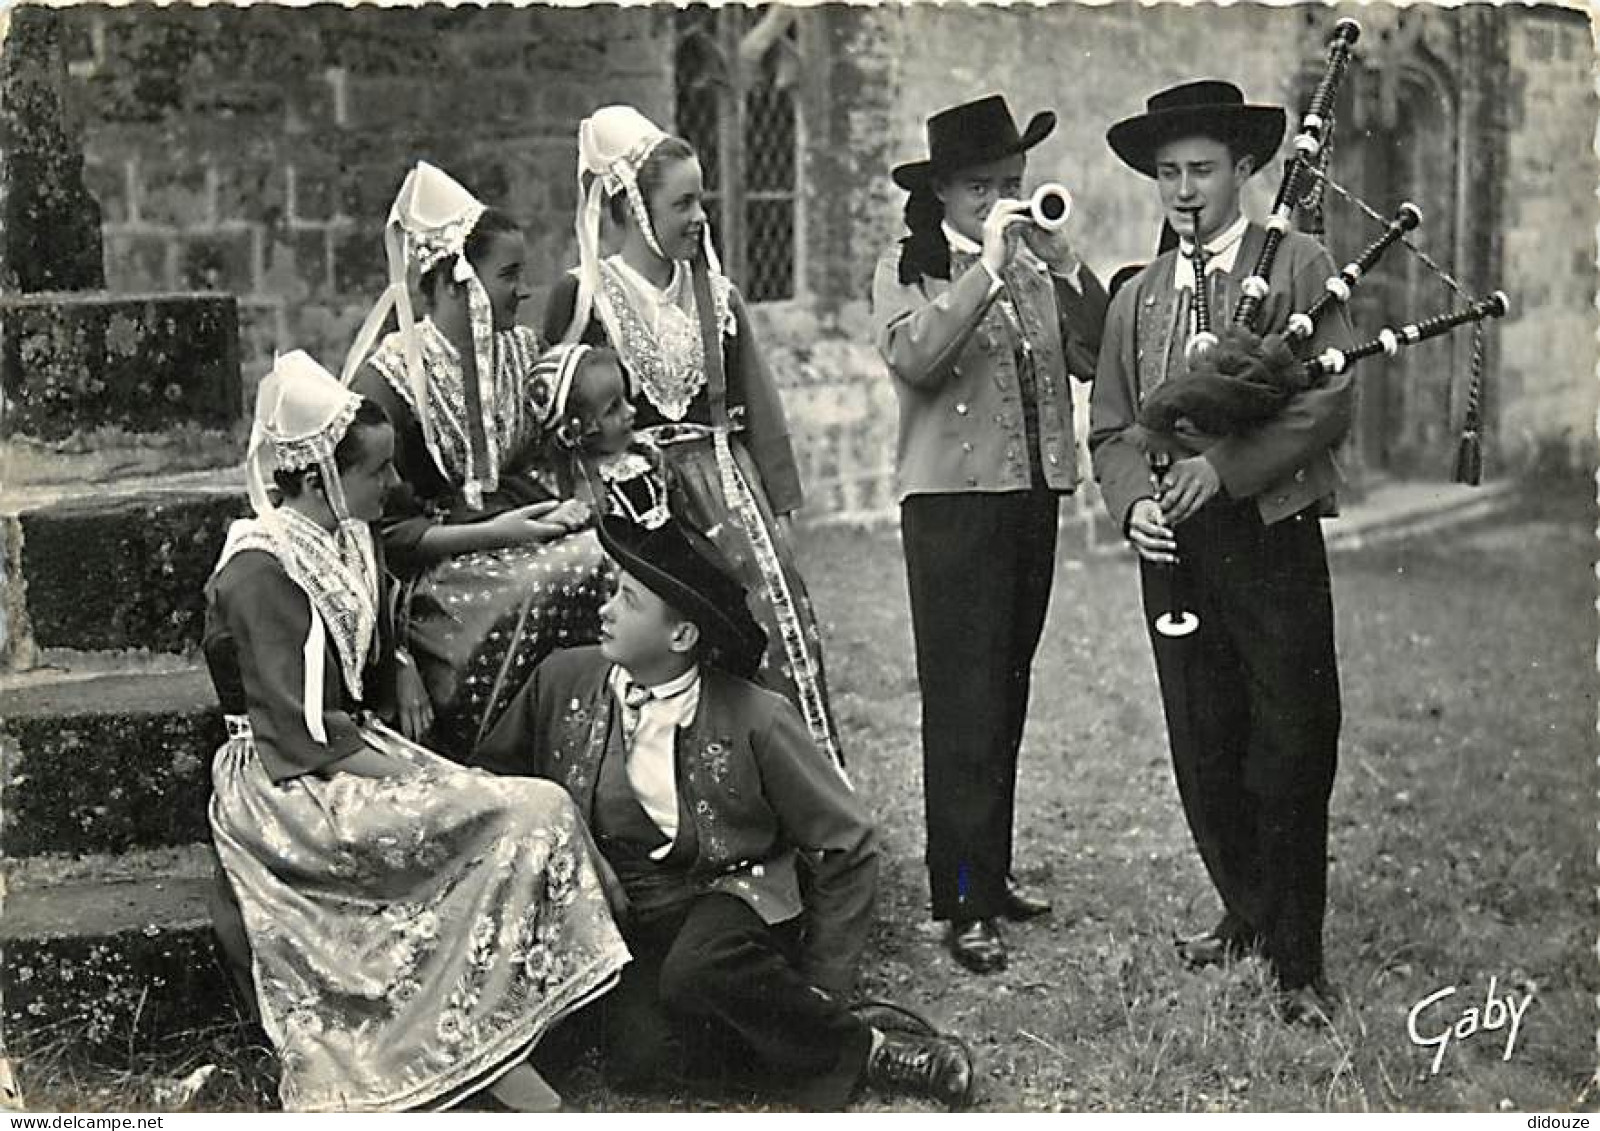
411 937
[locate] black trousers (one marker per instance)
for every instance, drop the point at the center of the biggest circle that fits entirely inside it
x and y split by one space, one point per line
979 568
713 996
1253 715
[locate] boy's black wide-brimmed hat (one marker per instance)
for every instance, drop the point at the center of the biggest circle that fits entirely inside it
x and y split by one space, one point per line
974 133
1207 108
681 566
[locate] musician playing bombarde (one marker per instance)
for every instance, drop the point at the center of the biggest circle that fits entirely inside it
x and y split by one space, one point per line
1252 697
981 315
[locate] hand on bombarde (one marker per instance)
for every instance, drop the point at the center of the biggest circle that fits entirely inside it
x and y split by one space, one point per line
1052 247
1001 231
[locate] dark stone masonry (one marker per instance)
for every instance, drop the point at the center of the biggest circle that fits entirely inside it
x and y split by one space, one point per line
72 363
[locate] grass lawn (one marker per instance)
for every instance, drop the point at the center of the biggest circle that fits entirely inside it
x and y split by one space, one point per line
1462 840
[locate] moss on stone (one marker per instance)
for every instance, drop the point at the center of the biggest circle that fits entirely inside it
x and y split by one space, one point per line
114 992
144 363
49 222
83 778
123 575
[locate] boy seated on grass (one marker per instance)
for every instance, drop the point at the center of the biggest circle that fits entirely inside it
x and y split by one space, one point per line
704 792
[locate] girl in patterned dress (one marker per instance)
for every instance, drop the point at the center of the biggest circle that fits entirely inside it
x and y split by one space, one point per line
496 569
414 927
726 442
593 452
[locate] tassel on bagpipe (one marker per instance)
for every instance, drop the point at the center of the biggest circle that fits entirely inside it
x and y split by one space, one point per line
1469 452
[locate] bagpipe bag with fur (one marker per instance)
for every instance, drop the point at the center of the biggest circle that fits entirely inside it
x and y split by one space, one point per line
1235 385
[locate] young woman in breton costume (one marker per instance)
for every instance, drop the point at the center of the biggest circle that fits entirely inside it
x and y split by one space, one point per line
720 425
414 927
496 572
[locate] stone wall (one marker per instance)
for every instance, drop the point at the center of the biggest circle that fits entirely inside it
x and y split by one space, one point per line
256 150
1546 392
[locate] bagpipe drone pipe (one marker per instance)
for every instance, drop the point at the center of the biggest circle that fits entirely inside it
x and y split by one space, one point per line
1237 378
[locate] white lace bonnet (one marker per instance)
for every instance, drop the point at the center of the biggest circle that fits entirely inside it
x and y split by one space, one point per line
302 412
430 221
613 144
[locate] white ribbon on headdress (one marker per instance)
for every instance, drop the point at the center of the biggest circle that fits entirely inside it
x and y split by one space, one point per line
613 145
302 413
421 232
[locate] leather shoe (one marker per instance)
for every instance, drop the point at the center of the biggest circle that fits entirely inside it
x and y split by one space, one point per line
1311 1004
939 1068
1210 949
977 945
1020 905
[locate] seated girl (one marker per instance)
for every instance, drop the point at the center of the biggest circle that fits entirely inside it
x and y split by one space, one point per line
414 927
495 570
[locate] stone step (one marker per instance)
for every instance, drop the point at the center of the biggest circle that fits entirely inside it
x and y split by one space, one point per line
1406 509
111 567
105 762
95 381
107 953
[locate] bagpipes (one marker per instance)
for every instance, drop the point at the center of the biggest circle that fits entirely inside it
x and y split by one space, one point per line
1238 379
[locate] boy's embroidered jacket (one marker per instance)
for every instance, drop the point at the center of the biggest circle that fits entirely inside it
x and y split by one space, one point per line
953 355
760 792
1285 464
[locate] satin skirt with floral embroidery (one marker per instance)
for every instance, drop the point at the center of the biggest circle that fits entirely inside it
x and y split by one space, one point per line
478 625
737 517
414 937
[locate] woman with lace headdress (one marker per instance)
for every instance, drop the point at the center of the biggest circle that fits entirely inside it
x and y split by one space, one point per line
718 420
414 927
497 569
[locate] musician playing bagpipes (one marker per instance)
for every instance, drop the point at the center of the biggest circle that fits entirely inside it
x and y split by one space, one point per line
1251 693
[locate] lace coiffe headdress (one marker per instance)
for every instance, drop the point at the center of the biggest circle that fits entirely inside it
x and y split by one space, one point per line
429 223
302 413
613 144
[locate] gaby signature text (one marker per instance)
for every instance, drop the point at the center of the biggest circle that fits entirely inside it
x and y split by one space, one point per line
1433 1024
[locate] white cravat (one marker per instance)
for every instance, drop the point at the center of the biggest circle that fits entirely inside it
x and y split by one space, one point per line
1222 251
959 242
650 743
